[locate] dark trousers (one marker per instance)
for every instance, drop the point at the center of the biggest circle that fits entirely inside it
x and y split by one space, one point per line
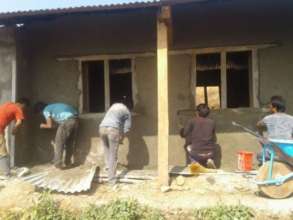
65 140
202 158
110 140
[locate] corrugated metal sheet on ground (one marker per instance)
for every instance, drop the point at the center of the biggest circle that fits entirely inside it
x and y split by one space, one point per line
73 180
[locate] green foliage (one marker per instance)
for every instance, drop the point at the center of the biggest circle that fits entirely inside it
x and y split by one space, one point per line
120 210
46 209
221 212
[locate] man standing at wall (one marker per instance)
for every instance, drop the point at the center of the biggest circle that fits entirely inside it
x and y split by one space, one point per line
114 126
66 117
10 112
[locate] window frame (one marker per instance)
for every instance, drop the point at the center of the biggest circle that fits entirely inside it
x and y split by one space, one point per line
253 79
106 61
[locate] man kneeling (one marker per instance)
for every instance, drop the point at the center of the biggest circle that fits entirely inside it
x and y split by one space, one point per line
200 131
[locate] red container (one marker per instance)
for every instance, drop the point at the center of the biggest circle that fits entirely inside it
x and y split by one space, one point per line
245 160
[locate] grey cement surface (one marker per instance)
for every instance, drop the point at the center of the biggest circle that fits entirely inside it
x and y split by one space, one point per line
7 58
7 54
206 25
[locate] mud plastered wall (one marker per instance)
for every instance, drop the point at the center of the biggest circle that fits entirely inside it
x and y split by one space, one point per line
194 26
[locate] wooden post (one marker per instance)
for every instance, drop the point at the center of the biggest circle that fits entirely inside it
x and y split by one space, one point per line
223 79
255 78
133 80
163 102
80 88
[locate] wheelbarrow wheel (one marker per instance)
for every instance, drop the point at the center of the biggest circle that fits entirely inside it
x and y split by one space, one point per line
275 191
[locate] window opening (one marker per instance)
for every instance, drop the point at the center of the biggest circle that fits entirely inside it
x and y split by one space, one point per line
238 94
94 86
121 81
117 79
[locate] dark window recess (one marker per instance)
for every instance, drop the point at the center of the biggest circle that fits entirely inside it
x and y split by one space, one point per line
238 79
94 84
121 82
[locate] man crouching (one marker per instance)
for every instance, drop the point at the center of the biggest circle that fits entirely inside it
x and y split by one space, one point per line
200 131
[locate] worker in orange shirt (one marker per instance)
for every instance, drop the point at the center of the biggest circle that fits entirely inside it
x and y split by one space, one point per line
9 112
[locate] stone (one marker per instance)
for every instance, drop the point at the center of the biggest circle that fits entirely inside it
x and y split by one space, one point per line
165 189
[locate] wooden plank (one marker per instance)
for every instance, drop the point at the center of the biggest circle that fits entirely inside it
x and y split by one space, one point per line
130 174
163 103
133 82
94 57
80 87
221 49
186 171
171 52
223 80
107 84
84 103
255 78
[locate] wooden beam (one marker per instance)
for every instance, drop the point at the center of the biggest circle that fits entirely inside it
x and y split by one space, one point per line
84 103
165 16
221 49
223 79
255 78
163 101
94 57
80 88
171 52
133 82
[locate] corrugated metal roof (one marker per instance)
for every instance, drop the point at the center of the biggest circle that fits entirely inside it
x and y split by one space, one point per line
90 8
18 5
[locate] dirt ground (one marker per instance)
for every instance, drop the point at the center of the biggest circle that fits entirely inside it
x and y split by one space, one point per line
204 190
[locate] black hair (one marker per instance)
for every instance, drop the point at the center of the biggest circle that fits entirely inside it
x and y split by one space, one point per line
203 110
279 103
39 107
24 101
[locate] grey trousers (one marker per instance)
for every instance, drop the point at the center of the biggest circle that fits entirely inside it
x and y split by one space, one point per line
110 140
65 140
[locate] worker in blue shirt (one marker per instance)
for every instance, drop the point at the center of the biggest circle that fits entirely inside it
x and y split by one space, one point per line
66 117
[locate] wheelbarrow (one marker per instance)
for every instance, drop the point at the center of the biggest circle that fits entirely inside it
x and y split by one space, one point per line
275 176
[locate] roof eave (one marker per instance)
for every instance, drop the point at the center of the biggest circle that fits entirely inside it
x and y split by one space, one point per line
12 17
